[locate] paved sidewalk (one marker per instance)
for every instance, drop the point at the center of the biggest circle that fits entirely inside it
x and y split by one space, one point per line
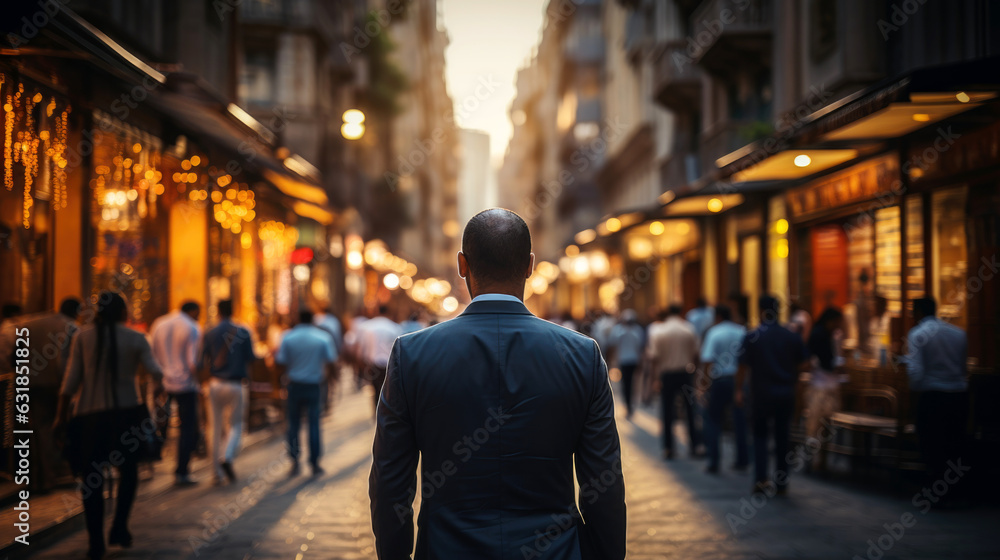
675 510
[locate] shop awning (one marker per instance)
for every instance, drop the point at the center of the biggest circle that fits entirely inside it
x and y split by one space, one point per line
889 109
246 146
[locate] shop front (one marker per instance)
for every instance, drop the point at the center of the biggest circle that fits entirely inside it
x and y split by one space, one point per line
847 231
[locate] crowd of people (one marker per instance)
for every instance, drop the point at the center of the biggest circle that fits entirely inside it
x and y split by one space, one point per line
707 363
103 381
106 395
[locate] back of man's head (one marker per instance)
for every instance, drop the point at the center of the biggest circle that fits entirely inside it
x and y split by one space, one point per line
723 312
768 309
70 307
226 308
924 307
674 310
305 317
190 307
497 246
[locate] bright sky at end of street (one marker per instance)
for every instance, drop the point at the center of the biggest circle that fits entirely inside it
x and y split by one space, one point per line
489 42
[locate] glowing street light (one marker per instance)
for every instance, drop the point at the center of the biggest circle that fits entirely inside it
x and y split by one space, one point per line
354 124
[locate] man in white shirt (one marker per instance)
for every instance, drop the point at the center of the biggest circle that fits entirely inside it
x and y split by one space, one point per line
628 339
376 337
176 342
673 350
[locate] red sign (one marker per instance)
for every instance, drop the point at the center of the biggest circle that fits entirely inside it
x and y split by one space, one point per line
302 255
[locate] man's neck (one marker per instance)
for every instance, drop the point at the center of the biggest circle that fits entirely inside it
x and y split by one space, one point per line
507 291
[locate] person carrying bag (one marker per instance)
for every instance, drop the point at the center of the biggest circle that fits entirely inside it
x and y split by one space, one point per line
109 425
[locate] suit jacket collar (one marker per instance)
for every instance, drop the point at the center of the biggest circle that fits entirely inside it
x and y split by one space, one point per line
506 307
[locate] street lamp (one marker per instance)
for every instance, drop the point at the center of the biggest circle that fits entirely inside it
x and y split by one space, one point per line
354 124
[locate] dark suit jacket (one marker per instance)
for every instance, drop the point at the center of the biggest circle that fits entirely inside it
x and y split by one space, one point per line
497 404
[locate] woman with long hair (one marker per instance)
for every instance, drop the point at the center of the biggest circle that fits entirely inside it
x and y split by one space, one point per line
107 423
823 394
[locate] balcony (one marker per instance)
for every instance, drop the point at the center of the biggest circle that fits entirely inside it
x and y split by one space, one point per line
676 79
726 35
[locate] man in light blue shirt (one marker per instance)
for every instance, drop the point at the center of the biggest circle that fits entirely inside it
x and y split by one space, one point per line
305 351
701 318
720 354
936 363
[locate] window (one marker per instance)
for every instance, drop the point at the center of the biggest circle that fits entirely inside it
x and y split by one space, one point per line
949 252
257 78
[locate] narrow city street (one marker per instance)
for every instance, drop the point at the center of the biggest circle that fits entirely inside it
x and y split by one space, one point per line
675 510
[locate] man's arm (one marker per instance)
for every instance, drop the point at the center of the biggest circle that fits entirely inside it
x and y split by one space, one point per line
914 359
393 480
598 458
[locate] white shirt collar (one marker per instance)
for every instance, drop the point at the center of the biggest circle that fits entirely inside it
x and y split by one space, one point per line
495 297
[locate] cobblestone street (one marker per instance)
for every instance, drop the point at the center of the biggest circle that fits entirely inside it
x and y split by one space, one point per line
675 510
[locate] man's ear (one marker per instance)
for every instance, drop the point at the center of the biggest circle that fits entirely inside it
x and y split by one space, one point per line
531 265
463 265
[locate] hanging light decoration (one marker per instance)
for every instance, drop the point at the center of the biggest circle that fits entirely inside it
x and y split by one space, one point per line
38 146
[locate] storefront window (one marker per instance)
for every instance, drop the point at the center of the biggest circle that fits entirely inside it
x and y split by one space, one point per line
777 261
914 249
888 258
949 251
861 283
130 249
750 276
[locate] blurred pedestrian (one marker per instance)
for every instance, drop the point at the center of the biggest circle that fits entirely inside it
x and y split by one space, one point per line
227 355
328 321
720 356
936 362
799 321
673 351
826 363
881 335
101 375
305 352
377 336
701 317
626 341
500 408
772 356
412 323
602 327
176 342
55 331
